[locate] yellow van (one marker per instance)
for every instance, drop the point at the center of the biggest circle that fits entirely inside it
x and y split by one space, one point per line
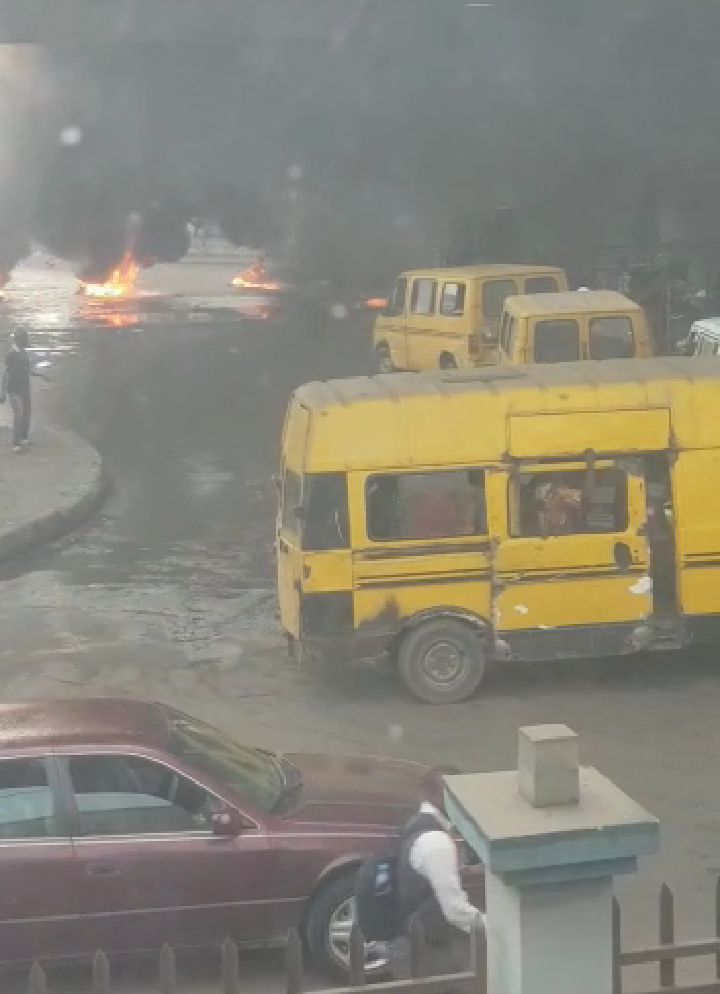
579 324
448 318
539 511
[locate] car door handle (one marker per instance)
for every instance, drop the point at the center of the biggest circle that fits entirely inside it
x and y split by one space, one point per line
102 870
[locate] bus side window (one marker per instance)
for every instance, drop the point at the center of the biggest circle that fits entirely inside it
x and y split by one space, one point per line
425 505
569 502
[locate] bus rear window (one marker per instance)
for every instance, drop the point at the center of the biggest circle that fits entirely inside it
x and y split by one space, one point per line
557 341
611 337
325 514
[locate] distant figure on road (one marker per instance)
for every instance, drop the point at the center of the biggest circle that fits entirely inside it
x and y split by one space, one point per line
16 387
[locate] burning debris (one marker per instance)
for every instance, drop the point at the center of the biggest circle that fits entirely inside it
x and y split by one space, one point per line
118 284
122 278
256 277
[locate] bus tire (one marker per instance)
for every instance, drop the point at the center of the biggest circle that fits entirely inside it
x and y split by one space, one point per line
442 661
447 361
383 358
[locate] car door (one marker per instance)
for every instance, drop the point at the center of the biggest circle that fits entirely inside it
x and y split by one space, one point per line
142 819
426 340
36 863
390 325
494 294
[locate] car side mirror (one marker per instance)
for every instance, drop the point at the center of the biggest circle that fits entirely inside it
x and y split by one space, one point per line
227 823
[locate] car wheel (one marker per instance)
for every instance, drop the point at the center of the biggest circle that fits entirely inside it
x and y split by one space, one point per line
331 918
442 662
383 358
447 361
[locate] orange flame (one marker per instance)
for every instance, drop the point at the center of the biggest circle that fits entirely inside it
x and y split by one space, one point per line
376 303
119 284
255 278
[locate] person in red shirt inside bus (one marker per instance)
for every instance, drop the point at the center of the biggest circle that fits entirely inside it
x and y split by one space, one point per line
443 509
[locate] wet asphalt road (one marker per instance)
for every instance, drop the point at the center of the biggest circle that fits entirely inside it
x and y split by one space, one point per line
169 592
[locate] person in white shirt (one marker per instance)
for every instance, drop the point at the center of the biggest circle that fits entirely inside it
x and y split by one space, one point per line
430 885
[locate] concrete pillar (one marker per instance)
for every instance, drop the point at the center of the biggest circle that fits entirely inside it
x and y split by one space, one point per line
552 835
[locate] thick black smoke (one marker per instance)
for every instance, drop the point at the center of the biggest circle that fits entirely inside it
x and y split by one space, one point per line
371 131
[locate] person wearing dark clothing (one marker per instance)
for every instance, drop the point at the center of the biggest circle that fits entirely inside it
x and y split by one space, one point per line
16 387
430 888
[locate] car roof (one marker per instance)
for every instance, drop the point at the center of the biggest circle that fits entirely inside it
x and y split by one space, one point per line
709 325
493 270
82 721
570 302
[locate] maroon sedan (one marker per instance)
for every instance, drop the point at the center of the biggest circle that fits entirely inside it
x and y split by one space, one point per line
125 825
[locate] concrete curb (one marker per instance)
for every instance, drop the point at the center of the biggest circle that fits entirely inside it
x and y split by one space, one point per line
62 519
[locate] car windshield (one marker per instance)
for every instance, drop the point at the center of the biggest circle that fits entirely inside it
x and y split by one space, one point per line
257 776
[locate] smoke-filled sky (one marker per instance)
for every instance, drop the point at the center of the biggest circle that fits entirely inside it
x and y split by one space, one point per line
404 116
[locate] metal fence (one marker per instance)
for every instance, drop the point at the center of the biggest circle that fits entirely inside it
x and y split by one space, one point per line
668 951
472 981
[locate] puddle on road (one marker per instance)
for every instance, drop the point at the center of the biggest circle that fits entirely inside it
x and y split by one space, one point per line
46 302
191 590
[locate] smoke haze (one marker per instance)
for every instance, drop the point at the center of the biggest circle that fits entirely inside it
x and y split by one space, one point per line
402 117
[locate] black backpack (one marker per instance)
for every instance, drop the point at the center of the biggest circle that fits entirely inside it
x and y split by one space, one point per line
378 912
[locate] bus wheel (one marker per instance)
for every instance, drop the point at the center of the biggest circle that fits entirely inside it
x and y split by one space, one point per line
442 662
383 359
447 361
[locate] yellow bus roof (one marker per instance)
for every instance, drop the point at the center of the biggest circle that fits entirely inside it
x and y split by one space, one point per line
570 302
479 272
446 417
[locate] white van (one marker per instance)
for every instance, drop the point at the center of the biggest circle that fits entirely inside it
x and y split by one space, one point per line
702 339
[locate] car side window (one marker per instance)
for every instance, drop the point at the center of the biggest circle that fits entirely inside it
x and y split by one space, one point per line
26 801
422 298
494 294
396 303
452 302
131 795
